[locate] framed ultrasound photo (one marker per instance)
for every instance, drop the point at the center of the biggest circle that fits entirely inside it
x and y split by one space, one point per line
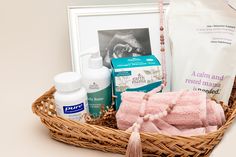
117 31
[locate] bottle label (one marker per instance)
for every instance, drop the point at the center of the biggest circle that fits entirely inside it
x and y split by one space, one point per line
73 109
99 101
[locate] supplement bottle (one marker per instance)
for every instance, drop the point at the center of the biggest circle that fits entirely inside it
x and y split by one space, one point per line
70 97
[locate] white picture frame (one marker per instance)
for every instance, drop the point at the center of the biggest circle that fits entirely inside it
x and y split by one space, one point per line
83 25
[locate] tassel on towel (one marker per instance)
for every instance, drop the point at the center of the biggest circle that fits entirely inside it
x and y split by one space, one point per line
134 148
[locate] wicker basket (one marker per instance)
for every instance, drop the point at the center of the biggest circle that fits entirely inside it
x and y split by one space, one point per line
112 140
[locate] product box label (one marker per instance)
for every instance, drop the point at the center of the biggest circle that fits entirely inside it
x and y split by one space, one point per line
100 101
141 73
73 109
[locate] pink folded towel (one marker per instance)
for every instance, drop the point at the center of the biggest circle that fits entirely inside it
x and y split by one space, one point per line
184 113
191 113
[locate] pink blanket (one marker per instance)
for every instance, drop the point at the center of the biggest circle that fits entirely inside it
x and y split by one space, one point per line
186 113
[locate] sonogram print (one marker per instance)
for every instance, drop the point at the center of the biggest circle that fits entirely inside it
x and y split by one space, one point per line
123 43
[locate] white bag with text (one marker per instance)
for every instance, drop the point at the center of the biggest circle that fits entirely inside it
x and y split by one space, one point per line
203 43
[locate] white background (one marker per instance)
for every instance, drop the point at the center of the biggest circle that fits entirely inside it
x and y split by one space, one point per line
34 46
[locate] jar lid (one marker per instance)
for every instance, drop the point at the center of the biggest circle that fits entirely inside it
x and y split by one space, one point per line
67 82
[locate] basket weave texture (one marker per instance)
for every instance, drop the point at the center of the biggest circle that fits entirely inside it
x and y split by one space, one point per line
113 140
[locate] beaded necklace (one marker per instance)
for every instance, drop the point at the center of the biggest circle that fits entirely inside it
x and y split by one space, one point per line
134 148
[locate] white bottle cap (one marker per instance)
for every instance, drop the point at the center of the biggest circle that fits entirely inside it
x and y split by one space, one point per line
95 61
67 82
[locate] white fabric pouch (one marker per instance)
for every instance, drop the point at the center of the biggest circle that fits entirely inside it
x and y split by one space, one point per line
203 44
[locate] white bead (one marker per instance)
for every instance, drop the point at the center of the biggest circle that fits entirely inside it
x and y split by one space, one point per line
156 116
165 113
151 118
160 115
146 117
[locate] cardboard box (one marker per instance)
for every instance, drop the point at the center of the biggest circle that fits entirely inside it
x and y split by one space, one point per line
141 73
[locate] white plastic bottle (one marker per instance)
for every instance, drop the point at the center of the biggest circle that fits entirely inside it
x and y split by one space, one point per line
70 97
97 81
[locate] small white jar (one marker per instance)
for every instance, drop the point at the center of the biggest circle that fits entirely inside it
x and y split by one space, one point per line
70 97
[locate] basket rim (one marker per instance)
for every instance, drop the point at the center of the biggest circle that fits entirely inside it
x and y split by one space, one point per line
49 93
